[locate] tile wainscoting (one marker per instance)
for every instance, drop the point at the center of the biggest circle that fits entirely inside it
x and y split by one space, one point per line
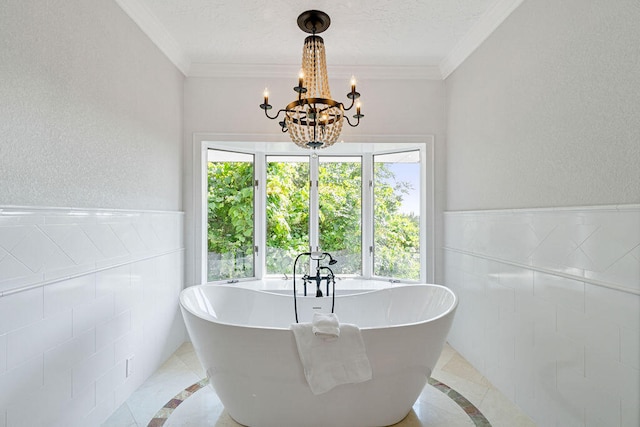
81 292
550 308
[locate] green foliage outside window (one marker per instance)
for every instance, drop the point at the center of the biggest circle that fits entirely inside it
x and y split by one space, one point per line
231 222
287 214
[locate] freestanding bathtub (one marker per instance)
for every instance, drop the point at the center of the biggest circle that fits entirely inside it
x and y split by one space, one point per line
243 340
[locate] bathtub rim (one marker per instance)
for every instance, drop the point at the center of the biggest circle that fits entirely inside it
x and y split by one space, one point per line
447 312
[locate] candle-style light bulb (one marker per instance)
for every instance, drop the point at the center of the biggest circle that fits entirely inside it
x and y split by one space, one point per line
300 78
266 96
358 105
353 84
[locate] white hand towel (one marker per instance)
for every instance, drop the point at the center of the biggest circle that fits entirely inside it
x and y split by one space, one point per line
326 325
328 364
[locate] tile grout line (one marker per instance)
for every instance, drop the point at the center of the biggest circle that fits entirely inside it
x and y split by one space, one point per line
547 271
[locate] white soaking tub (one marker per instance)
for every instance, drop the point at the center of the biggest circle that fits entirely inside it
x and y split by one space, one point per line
243 339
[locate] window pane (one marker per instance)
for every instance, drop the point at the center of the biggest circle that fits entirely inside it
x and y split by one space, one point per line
340 202
287 211
230 234
397 215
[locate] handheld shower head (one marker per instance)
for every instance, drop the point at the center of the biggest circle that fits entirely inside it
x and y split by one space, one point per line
331 260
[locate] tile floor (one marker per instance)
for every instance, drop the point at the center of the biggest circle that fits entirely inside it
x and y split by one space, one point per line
197 405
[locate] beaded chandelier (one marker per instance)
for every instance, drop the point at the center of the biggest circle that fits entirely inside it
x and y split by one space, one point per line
314 120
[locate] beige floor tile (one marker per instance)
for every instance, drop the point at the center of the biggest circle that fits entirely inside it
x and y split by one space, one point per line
433 408
172 377
122 417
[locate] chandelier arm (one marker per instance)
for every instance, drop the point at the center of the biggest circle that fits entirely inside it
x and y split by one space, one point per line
277 114
349 121
353 102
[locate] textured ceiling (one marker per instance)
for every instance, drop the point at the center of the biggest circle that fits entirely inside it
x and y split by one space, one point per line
362 32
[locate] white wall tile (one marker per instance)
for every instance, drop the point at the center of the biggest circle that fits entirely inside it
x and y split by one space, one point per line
67 294
112 379
554 250
576 343
105 240
615 238
572 324
39 253
108 332
609 304
38 337
20 309
540 312
112 280
630 347
3 354
63 344
612 376
11 268
630 414
147 233
572 391
126 345
602 337
87 316
82 403
128 295
625 270
563 292
20 380
87 371
127 234
59 361
601 408
11 234
73 241
43 404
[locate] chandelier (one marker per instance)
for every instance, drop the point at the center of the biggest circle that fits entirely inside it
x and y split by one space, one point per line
314 120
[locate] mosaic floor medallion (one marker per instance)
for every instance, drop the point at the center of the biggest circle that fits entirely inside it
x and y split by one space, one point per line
474 414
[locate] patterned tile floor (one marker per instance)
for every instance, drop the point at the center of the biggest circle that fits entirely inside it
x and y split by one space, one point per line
177 395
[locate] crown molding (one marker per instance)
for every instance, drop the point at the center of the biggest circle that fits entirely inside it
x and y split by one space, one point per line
158 34
482 29
335 71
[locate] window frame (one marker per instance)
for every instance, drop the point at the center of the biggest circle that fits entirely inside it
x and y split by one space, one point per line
257 146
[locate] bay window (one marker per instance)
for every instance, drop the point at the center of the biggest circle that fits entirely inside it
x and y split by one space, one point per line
367 204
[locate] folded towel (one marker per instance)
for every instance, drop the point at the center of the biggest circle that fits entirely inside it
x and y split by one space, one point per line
330 363
326 325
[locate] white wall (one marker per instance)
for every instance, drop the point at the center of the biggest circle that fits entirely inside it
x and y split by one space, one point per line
229 106
90 120
91 110
542 232
545 112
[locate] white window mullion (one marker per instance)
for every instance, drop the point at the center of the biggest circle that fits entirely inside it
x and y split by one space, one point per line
314 205
260 212
367 215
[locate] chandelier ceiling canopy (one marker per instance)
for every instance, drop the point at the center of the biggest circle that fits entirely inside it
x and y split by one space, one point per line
314 120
